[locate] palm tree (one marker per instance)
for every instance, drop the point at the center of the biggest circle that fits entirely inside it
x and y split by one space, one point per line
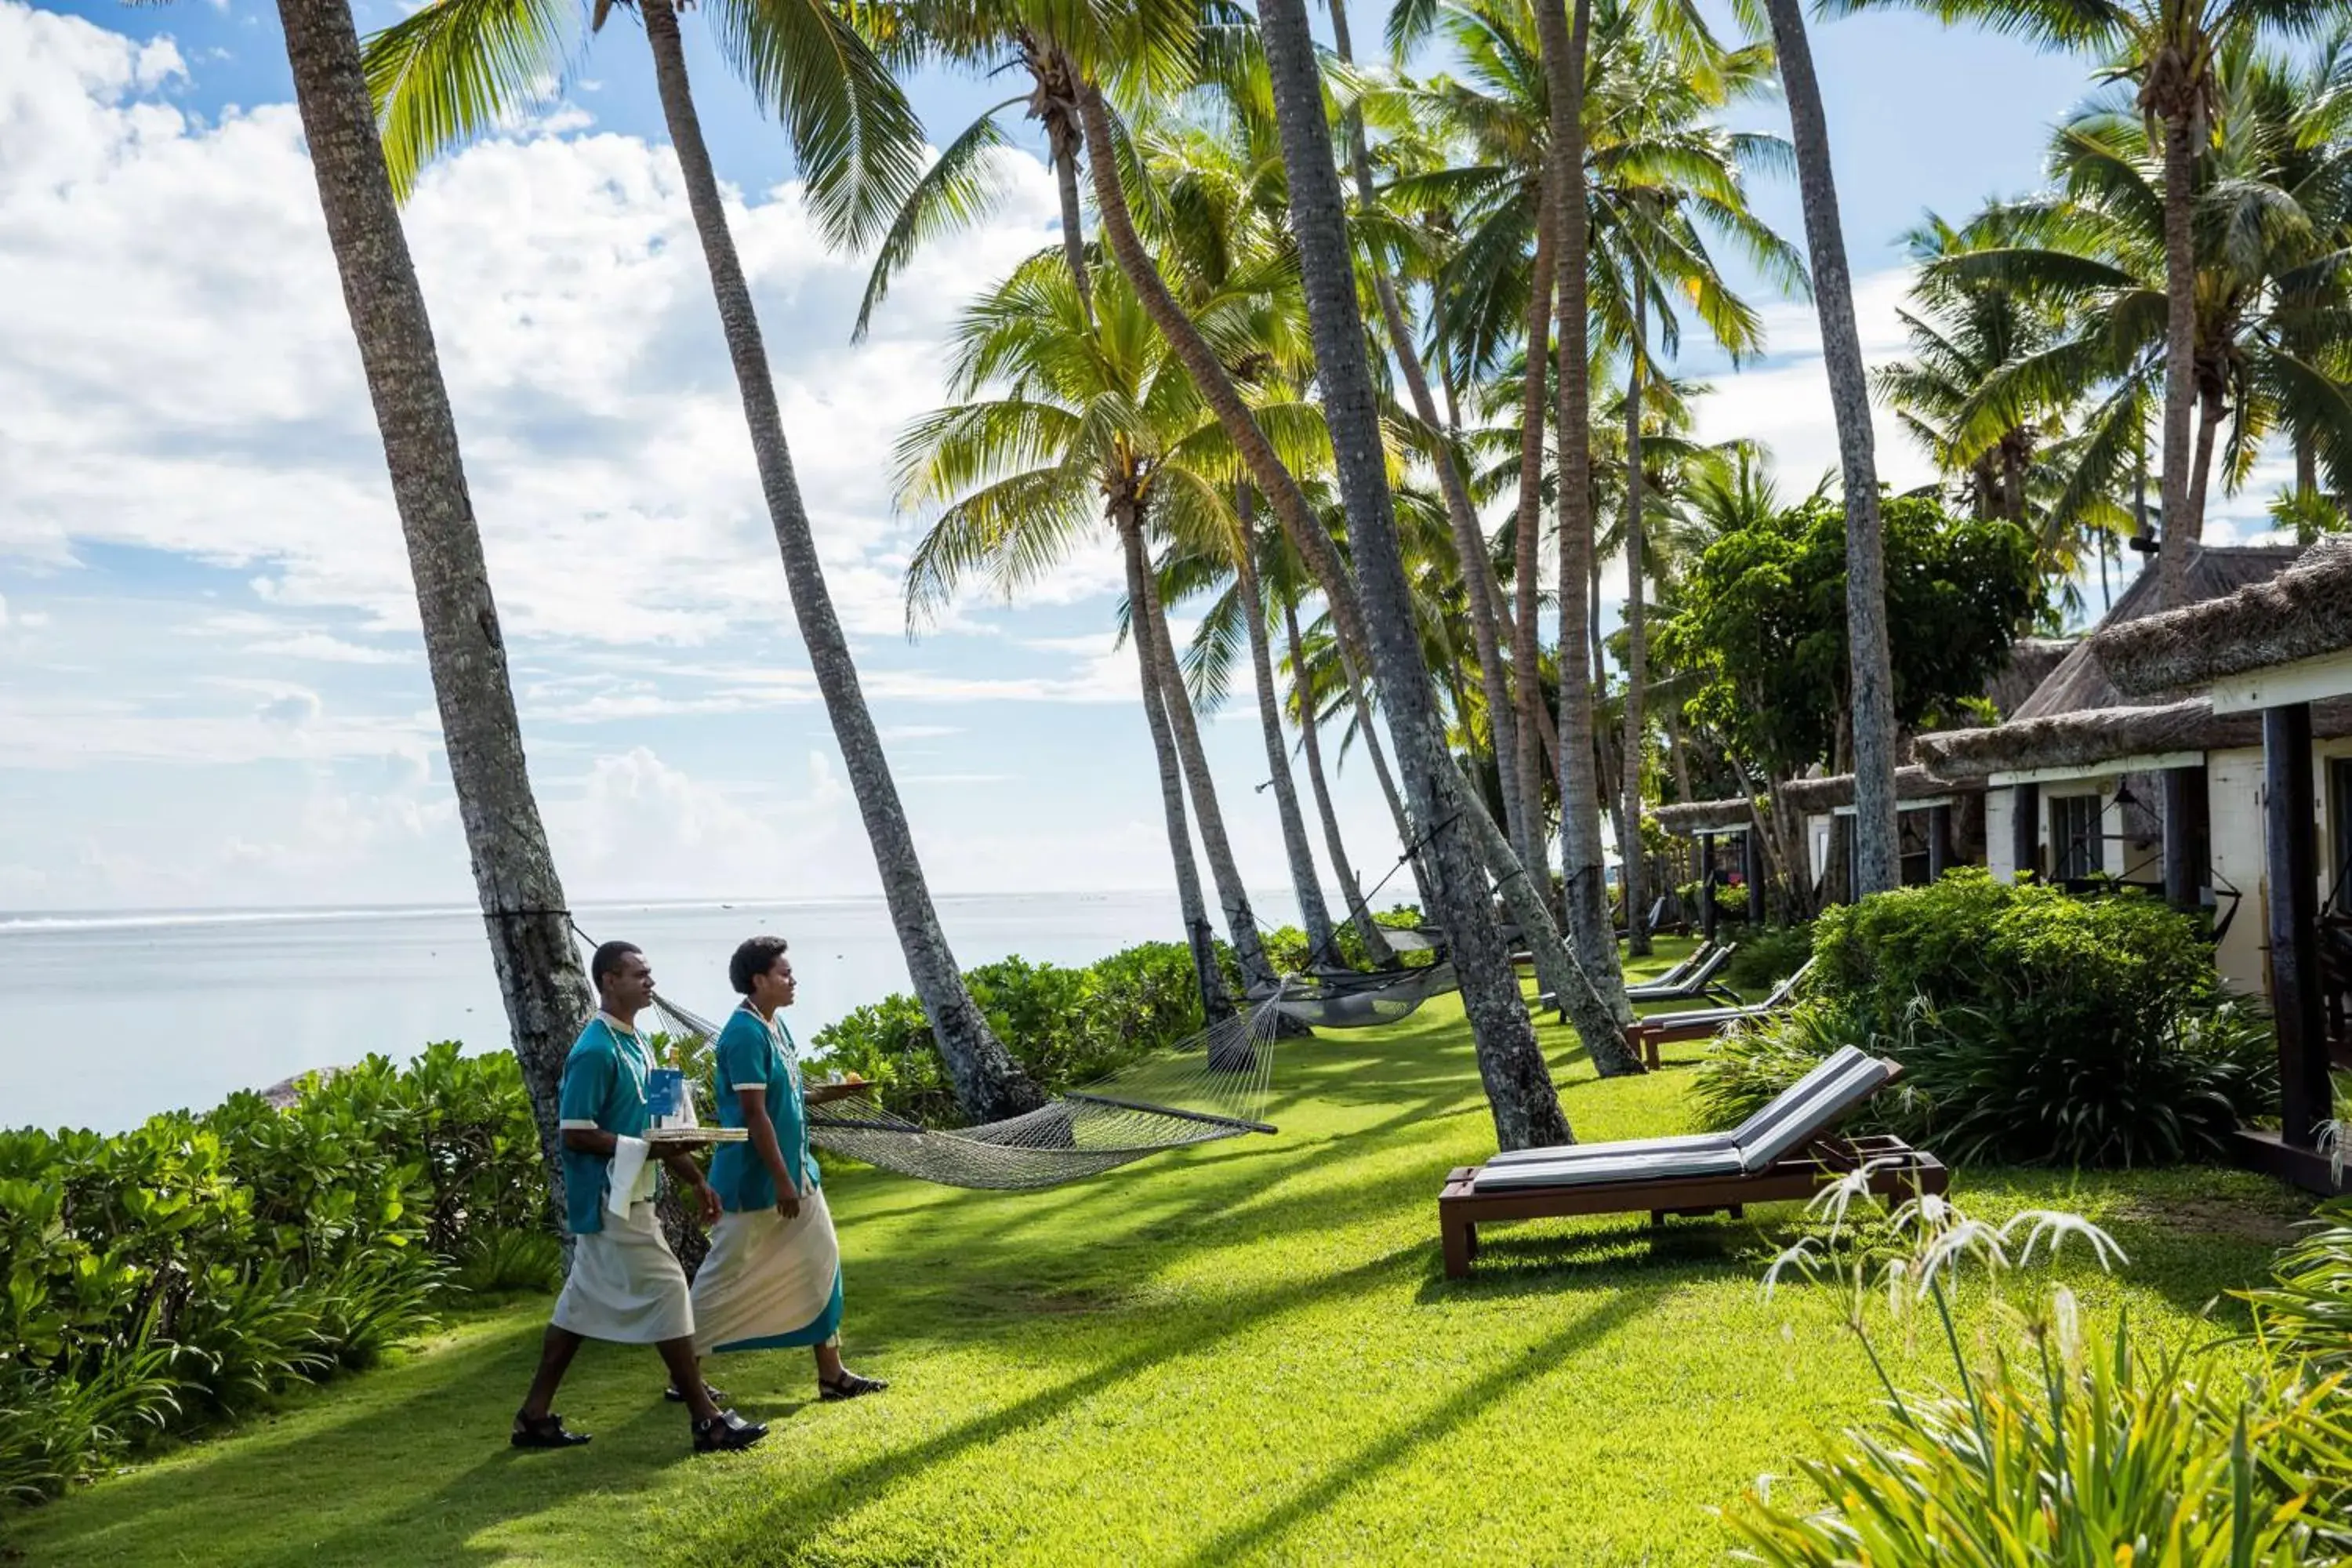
1877 842
2168 48
1061 398
2272 297
1519 1090
514 875
451 70
1303 710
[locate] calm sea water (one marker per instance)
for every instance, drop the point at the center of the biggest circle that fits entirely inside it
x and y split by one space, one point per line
119 1016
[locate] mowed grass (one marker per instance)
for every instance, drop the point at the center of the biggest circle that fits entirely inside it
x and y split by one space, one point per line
1246 1352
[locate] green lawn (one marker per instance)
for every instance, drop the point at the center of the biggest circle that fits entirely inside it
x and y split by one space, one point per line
1244 1353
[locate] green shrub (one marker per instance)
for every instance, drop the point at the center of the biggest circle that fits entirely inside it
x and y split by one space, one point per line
1291 954
196 1265
1064 1027
2032 1027
2306 1311
1767 955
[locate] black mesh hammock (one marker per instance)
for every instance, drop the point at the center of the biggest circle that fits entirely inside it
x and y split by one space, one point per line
1212 1085
1347 999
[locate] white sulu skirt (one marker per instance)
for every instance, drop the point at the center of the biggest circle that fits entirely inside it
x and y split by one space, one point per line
625 1284
768 1281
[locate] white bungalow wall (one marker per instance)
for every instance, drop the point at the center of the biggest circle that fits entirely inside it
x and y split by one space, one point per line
2240 798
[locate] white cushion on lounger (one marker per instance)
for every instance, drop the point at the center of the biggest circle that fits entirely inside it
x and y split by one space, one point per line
1814 1113
1636 1165
1755 1126
1560 1152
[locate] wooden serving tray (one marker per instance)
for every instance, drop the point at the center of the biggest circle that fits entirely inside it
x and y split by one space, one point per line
695 1137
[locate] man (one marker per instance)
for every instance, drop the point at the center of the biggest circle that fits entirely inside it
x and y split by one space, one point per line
773 1276
626 1286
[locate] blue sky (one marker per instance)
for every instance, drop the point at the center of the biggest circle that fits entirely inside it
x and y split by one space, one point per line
210 684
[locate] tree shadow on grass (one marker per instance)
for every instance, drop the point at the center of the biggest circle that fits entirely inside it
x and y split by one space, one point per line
1396 1446
796 1511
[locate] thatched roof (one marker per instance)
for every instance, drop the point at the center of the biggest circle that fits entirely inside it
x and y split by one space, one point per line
2294 614
1817 797
2030 660
2100 735
2081 680
1689 817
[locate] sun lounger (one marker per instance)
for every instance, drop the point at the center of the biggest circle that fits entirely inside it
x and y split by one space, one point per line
1784 1152
1646 1034
1701 982
1703 953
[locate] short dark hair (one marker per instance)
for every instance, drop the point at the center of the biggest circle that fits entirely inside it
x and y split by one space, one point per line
752 960
607 959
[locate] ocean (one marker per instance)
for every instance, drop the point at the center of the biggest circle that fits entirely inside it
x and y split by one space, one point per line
131 1013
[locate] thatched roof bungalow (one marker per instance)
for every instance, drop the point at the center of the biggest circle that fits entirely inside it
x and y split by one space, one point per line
2279 651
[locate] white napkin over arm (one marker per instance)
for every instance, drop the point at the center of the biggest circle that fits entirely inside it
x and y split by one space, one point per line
628 1169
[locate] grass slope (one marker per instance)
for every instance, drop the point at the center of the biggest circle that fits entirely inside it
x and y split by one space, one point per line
1246 1352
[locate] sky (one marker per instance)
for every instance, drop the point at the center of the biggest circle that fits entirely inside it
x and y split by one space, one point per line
212 691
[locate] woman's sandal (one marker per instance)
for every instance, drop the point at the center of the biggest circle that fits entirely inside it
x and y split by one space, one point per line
849 1385
544 1431
718 1396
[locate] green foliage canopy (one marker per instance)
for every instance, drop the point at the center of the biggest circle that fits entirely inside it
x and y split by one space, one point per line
1761 625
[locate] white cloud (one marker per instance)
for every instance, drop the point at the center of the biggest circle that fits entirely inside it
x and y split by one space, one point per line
180 373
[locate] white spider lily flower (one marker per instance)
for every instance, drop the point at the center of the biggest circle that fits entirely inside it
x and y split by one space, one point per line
2054 1226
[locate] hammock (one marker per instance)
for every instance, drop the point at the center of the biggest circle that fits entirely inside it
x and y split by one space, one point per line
1346 999
1210 1087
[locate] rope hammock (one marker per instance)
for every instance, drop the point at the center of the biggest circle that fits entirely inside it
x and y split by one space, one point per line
1346 999
1210 1086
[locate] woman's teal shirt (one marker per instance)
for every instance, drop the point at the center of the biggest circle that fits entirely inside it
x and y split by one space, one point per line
750 1055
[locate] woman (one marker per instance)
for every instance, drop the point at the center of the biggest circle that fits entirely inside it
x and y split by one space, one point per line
772 1277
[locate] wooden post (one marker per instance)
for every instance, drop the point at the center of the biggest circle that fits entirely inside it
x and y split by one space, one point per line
1940 842
1752 854
2181 878
2291 847
2025 828
1706 885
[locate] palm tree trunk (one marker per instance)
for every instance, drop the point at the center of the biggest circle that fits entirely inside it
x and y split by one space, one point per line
1208 373
1677 752
1469 540
1528 543
1216 1005
1591 928
1878 851
1525 1107
2183 526
2210 409
546 996
1637 651
2306 467
1149 624
1375 946
987 1082
1370 734
1313 913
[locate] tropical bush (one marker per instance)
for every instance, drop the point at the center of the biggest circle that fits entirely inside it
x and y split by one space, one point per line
2068 1443
1767 954
1291 954
1064 1027
2032 1027
193 1267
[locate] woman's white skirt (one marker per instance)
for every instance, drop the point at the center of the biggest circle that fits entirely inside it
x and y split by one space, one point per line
768 1281
625 1285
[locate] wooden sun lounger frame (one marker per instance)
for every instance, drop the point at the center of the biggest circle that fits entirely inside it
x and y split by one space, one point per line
1645 1035
1904 1172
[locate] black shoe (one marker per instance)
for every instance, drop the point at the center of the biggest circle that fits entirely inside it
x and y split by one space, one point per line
544 1431
849 1385
718 1396
725 1433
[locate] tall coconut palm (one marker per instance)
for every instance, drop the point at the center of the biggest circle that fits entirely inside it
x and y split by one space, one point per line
1310 747
539 981
2168 49
1878 865
454 67
1059 400
2271 306
1519 1090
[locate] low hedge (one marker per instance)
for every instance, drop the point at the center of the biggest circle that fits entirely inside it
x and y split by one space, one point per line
171 1276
